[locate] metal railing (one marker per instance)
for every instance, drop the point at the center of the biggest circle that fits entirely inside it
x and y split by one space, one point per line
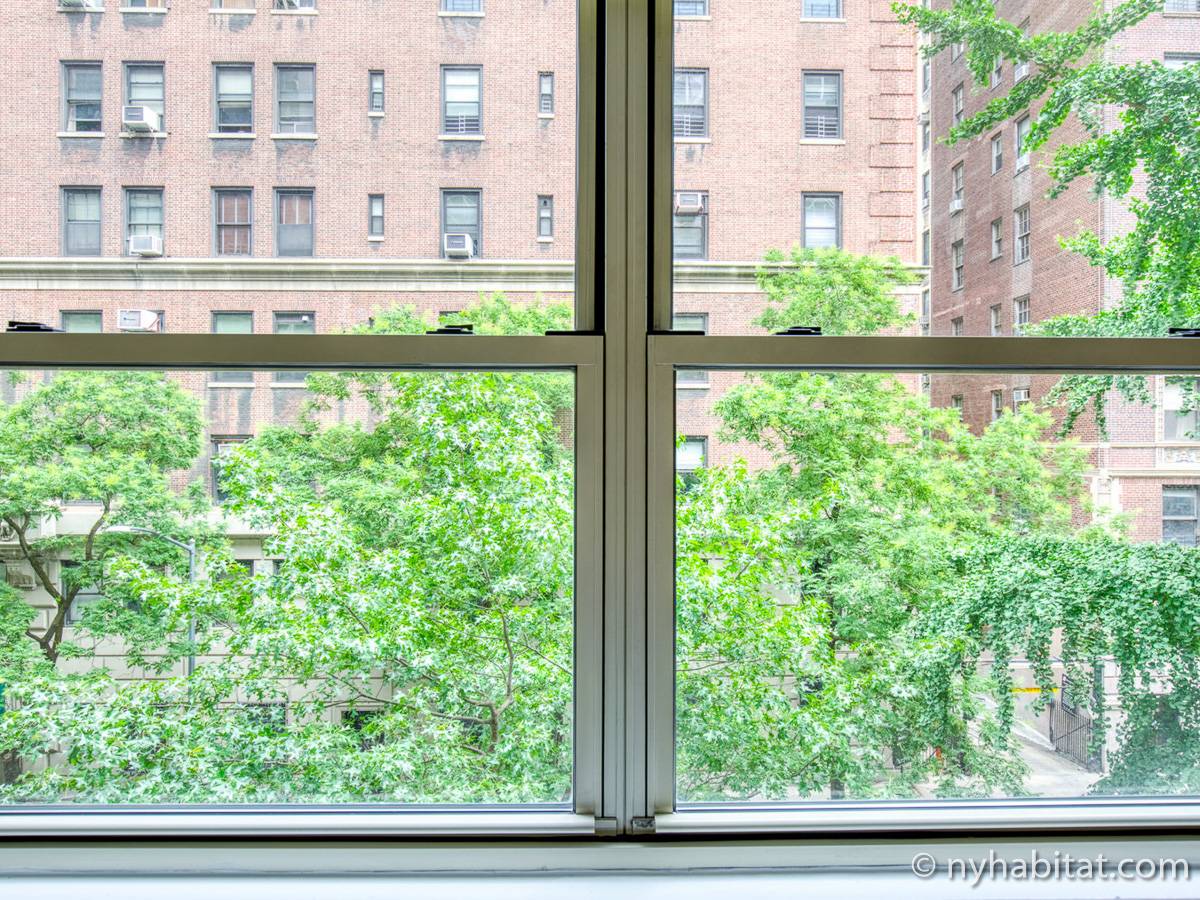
822 125
1071 733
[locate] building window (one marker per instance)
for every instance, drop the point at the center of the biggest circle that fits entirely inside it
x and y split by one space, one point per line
822 9
295 4
375 215
997 75
1181 398
87 595
82 82
545 217
926 248
926 312
546 93
1021 69
822 225
221 448
822 105
956 264
957 49
997 404
1020 314
926 77
1180 60
685 9
956 402
232 323
235 99
81 221
83 321
691 454
462 100
926 137
957 101
462 6
690 111
690 225
145 4
295 100
375 91
233 4
1021 220
462 216
957 188
956 327
691 378
997 153
997 238
1023 125
1020 398
294 222
995 328
233 221
1179 519
293 323
144 86
925 190
143 215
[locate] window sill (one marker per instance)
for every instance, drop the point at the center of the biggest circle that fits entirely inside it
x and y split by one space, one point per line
374 115
293 12
81 135
545 240
819 142
134 135
545 115
821 20
693 140
460 137
447 14
81 9
375 238
293 137
290 385
1180 14
692 387
1021 262
233 12
232 135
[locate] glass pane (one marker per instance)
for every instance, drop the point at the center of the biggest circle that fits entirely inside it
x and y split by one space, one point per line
355 589
883 581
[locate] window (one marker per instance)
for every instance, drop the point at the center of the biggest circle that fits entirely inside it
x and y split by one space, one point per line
926 136
545 93
1179 519
926 252
295 4
1021 218
997 153
822 9
375 92
956 265
690 225
232 323
997 75
995 329
462 6
462 100
143 215
1180 60
293 222
956 402
957 188
1180 417
221 448
82 84
926 77
461 215
545 218
85 596
234 99
1020 398
81 221
957 49
690 113
822 105
958 103
926 317
925 190
293 323
233 221
693 322
691 455
690 9
83 321
233 4
1020 315
1021 69
956 327
295 100
375 215
144 4
144 87
997 404
822 224
1022 133
997 238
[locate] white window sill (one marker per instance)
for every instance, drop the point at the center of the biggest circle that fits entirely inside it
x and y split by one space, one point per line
81 135
693 140
696 386
447 14
143 10
1020 170
134 135
375 238
232 135
545 115
460 137
693 18
233 12
374 115
293 12
822 142
293 137
821 20
545 240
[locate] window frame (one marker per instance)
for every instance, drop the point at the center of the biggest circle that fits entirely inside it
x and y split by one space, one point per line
690 133
373 217
545 217
840 106
280 194
64 193
697 220
462 130
838 14
68 119
128 224
217 193
218 127
836 197
1022 239
443 195
373 92
293 121
127 84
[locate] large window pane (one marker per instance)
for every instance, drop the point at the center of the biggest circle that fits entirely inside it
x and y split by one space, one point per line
362 591
915 587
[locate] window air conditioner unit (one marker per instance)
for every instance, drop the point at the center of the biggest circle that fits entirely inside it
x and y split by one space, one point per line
957 205
141 119
923 118
145 245
287 4
689 203
1022 161
138 320
22 580
1021 71
459 246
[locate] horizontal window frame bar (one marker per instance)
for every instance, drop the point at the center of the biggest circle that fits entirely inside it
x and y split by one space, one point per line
928 354
350 353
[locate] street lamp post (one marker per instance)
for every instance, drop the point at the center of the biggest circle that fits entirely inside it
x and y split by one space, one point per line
190 549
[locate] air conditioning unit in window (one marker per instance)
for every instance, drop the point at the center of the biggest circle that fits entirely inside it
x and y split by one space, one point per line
1022 161
957 205
459 246
141 119
923 118
1021 71
689 203
145 245
22 580
138 320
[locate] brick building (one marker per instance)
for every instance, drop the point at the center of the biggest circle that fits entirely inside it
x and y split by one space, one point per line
997 265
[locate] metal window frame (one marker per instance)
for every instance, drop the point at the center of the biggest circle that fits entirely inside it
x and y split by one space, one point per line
442 193
371 198
126 222
64 75
217 224
129 65
279 67
63 193
280 193
216 95
465 67
706 79
841 102
836 196
372 74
